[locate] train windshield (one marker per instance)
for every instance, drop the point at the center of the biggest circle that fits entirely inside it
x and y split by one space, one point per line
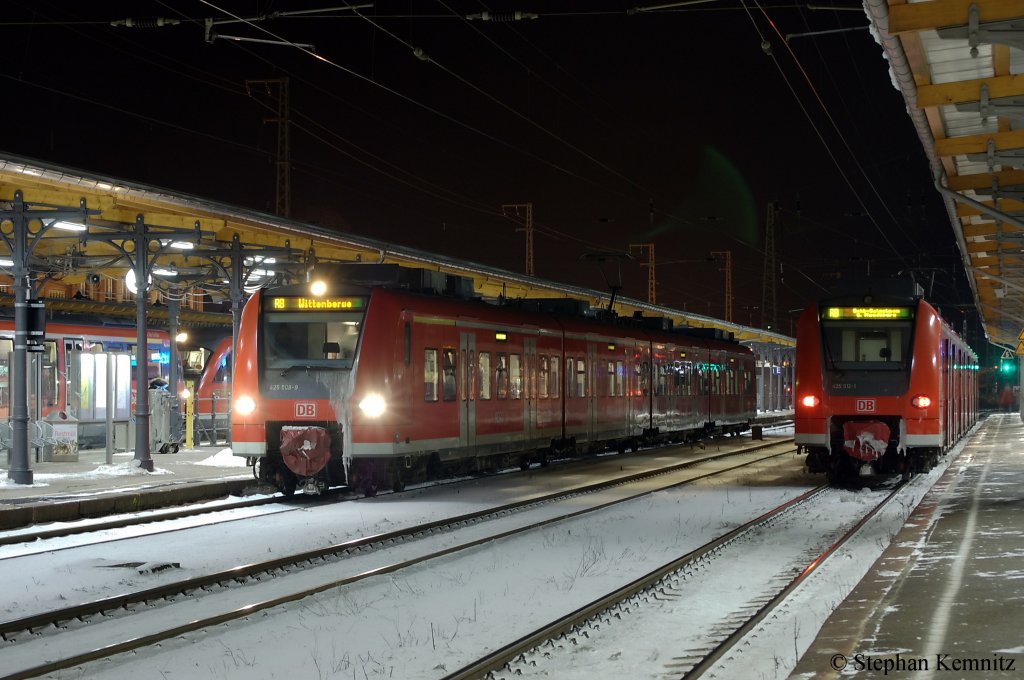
313 339
874 345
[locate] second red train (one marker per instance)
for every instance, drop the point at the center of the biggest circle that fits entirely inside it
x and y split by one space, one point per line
884 385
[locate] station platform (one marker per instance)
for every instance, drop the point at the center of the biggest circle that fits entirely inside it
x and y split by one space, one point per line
946 598
67 491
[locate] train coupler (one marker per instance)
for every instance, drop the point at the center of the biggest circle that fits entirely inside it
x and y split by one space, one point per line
313 487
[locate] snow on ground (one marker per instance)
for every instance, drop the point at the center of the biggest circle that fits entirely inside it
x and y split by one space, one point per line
772 651
428 620
223 458
128 468
665 636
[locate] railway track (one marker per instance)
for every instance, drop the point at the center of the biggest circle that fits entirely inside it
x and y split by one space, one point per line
157 517
648 603
29 643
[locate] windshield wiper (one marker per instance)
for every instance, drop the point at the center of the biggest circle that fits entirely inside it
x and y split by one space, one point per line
312 367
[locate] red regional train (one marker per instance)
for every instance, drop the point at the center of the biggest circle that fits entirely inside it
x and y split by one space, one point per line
210 372
883 384
361 379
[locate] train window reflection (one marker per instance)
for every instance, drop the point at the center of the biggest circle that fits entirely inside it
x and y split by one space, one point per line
516 374
570 377
501 375
542 392
312 338
449 387
553 381
49 379
881 346
6 349
430 374
485 375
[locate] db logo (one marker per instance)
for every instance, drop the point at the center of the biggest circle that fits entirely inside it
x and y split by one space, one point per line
305 410
865 406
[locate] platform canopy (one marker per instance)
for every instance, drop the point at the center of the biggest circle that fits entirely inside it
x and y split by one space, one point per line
119 204
960 67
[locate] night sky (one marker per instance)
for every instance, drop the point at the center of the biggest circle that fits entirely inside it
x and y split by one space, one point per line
415 123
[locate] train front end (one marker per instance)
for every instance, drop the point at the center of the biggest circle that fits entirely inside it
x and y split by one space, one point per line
868 392
297 352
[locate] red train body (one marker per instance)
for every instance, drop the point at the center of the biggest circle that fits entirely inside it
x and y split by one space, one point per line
379 386
213 389
883 385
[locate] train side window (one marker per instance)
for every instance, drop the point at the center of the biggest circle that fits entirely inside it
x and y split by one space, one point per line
553 382
6 347
611 378
224 370
49 363
581 377
408 343
485 375
430 374
467 388
449 387
661 386
501 375
620 379
516 375
570 378
542 392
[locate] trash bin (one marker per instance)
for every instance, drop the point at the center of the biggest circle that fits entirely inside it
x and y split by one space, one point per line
757 432
62 444
160 404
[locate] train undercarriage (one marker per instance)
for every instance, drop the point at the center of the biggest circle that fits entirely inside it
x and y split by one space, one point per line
312 462
862 448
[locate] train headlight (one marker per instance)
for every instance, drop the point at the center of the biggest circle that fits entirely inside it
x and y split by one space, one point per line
373 405
921 401
185 394
810 401
244 406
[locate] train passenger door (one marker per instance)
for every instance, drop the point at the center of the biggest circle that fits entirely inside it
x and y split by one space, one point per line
72 378
624 382
467 389
529 388
593 377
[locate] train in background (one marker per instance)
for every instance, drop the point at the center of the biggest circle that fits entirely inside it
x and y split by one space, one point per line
70 379
373 376
883 384
209 372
